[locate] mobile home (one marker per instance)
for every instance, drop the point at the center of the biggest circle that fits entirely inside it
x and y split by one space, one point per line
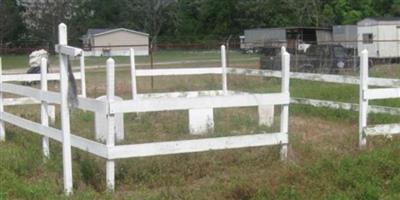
380 36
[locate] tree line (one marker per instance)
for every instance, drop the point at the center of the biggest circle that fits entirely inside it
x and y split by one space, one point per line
35 22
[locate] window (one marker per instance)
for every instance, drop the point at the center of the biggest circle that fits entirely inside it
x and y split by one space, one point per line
367 38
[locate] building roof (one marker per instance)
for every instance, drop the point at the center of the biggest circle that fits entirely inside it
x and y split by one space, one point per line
293 27
93 32
384 18
373 21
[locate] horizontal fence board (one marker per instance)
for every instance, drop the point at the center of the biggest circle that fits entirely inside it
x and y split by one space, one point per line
68 50
52 97
20 101
178 71
34 77
382 93
196 145
382 129
329 78
345 106
185 103
189 94
56 134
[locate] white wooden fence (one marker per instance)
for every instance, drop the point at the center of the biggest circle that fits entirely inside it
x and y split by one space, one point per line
366 94
199 104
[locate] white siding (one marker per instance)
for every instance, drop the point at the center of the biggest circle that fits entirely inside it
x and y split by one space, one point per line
372 47
124 39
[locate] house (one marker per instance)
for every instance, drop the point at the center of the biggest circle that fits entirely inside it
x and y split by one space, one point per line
115 42
345 35
289 37
380 36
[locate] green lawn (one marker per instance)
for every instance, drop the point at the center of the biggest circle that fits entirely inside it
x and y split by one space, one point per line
21 61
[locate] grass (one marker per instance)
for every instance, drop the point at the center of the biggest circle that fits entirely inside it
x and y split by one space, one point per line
160 57
325 162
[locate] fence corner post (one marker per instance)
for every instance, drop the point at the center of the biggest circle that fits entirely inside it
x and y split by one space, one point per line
284 126
110 164
65 117
363 103
44 109
2 128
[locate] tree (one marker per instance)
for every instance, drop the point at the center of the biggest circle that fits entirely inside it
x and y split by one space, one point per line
42 18
152 15
10 22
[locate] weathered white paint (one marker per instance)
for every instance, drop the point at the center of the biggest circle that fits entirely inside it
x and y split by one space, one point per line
183 103
65 123
381 93
266 115
284 126
133 73
35 77
363 103
44 107
345 106
2 128
329 78
51 112
177 71
224 71
101 122
83 75
111 131
55 134
384 129
188 94
196 145
68 50
201 121
52 97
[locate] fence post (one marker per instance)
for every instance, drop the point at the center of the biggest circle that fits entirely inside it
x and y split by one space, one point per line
83 75
223 64
133 74
2 128
110 166
363 110
284 128
65 121
44 106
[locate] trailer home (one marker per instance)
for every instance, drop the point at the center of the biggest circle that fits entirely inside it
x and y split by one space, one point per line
380 36
290 37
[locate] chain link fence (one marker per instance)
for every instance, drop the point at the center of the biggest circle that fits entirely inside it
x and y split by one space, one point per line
340 57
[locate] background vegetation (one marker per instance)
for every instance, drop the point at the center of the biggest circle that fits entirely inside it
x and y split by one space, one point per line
34 22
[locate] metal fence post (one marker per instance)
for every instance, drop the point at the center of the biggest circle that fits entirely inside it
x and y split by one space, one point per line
44 109
65 120
284 128
110 166
363 103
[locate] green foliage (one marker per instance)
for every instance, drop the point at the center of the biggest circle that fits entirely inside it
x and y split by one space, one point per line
183 20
